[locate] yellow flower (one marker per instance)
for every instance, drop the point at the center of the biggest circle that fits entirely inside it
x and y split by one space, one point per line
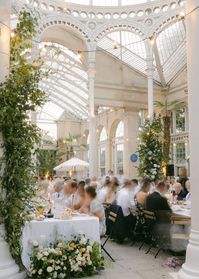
72 246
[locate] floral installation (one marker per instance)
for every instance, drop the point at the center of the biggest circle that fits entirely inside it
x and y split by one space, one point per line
150 149
76 258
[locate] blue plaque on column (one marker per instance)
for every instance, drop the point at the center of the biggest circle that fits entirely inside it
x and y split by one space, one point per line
134 158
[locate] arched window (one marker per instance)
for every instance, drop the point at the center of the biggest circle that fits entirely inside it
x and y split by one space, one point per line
102 152
118 148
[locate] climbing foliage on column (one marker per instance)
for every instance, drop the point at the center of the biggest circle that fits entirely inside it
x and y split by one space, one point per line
19 95
150 149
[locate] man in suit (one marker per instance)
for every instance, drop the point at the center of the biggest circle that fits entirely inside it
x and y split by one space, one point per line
156 201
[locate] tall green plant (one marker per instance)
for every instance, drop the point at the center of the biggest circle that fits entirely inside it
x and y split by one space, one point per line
19 95
46 161
150 149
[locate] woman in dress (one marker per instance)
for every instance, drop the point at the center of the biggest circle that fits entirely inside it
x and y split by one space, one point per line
112 191
141 196
94 207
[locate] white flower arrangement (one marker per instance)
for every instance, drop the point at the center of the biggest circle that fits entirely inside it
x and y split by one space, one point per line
76 258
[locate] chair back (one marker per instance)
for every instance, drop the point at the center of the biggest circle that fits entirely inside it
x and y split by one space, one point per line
112 216
149 215
134 211
180 220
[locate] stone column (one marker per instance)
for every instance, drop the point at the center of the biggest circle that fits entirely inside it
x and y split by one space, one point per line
131 132
93 145
190 269
150 71
108 155
8 267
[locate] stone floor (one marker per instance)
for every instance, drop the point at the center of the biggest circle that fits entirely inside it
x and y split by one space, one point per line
134 264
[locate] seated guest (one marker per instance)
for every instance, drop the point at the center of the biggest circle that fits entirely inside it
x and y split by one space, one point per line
94 207
94 180
156 201
71 194
183 177
141 196
137 185
125 200
124 197
121 177
58 195
180 193
112 191
81 193
87 181
188 196
103 191
94 184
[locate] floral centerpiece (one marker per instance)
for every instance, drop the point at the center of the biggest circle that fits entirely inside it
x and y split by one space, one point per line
76 258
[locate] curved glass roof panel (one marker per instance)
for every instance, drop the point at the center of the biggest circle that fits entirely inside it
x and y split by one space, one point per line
126 46
171 47
66 83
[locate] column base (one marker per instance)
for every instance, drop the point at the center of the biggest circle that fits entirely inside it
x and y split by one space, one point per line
190 270
8 267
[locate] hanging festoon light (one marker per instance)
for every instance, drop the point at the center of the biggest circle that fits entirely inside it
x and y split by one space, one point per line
79 54
12 34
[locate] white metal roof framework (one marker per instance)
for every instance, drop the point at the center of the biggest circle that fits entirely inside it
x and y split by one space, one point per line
127 26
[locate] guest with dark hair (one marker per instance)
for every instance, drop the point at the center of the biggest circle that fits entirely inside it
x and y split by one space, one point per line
71 195
183 178
112 190
156 201
142 195
104 190
179 192
80 195
94 207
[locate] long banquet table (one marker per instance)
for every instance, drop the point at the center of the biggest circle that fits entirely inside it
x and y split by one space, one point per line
181 210
50 230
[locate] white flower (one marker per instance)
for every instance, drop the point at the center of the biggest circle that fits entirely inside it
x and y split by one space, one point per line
40 271
39 256
89 248
46 253
83 240
55 274
150 152
49 269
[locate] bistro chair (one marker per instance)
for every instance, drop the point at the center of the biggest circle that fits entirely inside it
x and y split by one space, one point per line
112 220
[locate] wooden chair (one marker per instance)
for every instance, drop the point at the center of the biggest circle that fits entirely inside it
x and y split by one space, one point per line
112 218
136 213
182 221
150 220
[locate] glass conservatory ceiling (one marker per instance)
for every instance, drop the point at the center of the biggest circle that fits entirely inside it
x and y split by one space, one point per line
66 84
169 51
108 2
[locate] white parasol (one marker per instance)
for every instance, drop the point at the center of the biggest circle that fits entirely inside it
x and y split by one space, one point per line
74 164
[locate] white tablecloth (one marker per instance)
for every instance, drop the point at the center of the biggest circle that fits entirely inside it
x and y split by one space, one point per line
182 211
50 230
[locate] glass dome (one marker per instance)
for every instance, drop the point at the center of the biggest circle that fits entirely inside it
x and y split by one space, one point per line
108 2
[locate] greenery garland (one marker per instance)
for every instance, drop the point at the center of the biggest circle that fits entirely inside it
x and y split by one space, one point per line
150 149
19 95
